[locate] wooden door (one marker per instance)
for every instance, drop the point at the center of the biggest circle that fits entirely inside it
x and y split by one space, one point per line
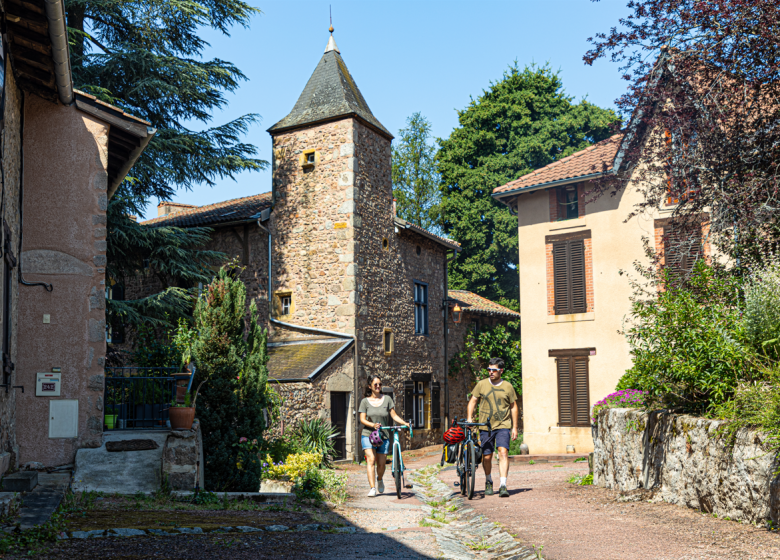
339 415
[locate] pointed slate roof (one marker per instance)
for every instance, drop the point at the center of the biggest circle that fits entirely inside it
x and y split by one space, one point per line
330 94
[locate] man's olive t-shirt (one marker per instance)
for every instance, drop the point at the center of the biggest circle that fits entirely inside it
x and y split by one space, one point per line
494 403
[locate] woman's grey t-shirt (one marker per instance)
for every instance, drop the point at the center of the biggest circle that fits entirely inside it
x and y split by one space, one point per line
376 414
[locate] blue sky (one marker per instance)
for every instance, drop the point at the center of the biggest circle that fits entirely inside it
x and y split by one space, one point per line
405 56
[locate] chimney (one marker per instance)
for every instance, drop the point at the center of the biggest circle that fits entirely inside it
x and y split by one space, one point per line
168 207
162 209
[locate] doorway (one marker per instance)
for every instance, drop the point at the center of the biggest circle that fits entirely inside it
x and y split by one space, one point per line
339 415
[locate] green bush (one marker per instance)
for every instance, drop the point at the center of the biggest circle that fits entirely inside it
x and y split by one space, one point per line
497 342
230 353
762 309
311 436
689 344
309 486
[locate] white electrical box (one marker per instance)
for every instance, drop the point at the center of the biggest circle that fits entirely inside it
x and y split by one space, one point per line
64 418
48 384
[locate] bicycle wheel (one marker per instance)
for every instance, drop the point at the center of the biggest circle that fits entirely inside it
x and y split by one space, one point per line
462 455
397 470
472 472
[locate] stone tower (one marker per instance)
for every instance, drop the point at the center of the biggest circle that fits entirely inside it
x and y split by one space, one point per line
332 193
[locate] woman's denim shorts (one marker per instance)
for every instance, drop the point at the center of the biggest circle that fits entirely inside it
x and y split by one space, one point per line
383 449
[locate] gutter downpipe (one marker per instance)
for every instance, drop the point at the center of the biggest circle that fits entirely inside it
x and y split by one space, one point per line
446 357
355 446
58 34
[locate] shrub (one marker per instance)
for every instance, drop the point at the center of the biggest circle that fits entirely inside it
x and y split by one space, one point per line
309 485
335 490
293 467
312 436
627 398
762 309
497 342
231 355
688 342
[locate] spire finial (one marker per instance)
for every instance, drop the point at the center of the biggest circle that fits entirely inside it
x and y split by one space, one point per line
330 10
331 42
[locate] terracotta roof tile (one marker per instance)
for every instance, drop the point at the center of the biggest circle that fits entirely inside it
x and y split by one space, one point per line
300 360
471 302
214 214
400 222
593 159
117 110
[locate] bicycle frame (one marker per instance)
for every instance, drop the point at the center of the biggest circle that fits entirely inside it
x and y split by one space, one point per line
397 443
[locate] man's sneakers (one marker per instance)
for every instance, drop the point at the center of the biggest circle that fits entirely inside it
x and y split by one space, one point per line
488 488
380 486
502 492
372 493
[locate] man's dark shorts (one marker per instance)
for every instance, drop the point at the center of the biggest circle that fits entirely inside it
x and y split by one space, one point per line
500 438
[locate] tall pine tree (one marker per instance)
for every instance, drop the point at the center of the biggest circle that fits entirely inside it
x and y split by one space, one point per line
522 122
231 357
146 57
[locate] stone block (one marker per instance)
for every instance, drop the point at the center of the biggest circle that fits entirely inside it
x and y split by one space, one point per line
99 232
347 258
96 383
100 246
347 207
347 150
346 178
99 219
348 284
99 260
102 201
348 309
97 330
334 300
23 481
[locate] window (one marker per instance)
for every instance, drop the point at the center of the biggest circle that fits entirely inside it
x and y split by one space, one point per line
573 393
385 244
419 404
115 329
474 326
420 308
388 342
569 277
283 304
286 303
310 158
682 248
568 204
681 177
418 250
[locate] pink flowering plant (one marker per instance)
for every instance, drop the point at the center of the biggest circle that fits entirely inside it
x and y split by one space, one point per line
627 398
248 451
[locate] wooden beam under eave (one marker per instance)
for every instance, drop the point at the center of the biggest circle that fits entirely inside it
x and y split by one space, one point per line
26 38
34 58
33 87
46 79
28 21
36 7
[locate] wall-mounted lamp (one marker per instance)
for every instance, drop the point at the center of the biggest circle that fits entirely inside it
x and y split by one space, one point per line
456 313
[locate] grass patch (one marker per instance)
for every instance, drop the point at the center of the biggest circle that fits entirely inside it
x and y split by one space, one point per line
580 459
581 480
478 545
531 462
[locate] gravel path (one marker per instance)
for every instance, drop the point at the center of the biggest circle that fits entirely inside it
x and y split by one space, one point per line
575 522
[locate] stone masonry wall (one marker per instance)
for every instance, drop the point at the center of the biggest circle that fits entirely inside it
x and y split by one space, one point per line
313 223
11 152
682 459
182 458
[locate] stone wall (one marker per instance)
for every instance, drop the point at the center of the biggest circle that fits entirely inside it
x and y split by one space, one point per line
304 401
182 458
683 461
11 154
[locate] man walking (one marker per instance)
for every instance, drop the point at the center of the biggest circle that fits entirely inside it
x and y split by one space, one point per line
498 403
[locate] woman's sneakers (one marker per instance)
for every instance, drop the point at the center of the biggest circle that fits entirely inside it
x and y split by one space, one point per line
380 486
372 493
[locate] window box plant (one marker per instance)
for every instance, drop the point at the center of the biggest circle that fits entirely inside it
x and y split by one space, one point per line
183 415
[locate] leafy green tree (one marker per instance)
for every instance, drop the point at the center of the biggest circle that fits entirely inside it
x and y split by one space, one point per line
231 356
497 342
521 123
145 56
415 178
172 255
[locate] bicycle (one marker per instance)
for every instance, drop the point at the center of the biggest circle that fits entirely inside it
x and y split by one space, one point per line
398 462
467 457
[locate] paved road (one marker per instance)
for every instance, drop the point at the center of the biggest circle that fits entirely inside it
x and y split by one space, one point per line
582 522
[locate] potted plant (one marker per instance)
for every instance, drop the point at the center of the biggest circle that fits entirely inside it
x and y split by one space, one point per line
182 416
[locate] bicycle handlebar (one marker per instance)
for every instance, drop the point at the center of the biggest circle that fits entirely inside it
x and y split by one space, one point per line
411 431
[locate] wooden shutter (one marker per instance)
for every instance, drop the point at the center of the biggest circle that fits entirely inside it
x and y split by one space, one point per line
569 277
561 277
435 405
408 413
565 412
681 250
582 396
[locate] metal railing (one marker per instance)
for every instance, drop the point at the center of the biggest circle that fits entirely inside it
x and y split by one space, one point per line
138 398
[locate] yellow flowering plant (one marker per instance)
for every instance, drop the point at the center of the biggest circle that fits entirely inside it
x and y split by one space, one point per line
292 468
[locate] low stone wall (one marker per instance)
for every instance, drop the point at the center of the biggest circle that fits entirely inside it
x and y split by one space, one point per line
182 458
684 462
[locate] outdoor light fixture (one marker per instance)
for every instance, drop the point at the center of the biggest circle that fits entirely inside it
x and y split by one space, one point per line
456 313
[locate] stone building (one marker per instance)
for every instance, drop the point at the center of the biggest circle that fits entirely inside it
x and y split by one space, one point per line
354 290
64 153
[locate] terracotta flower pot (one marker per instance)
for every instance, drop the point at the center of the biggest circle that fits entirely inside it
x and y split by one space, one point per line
181 417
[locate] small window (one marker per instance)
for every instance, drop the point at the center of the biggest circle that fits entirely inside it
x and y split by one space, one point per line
474 326
568 204
418 250
385 244
420 308
310 158
388 342
286 304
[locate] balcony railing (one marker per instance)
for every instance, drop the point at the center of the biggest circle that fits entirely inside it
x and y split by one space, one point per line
138 398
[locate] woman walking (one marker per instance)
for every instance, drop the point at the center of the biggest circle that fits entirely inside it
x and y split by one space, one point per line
376 410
